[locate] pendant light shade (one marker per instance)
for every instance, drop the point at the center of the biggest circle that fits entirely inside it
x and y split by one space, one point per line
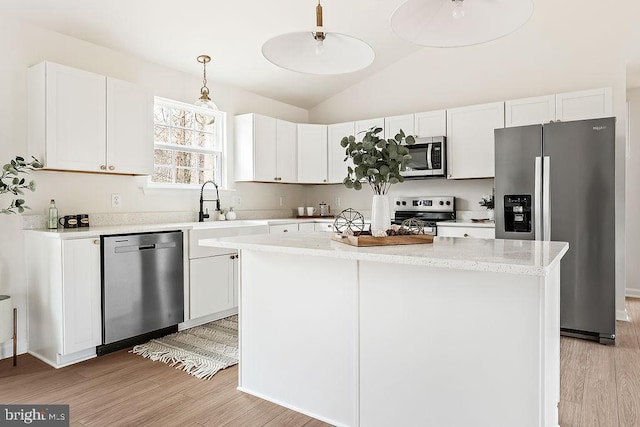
204 101
318 51
455 23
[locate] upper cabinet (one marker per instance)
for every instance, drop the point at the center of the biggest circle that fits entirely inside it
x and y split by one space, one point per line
82 121
365 125
581 105
266 149
337 167
312 153
470 140
392 125
430 123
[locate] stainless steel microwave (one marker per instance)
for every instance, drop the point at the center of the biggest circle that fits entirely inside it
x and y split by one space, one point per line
428 158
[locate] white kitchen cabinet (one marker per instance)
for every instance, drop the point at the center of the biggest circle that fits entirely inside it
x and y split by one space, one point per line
284 228
530 111
337 167
306 227
462 231
366 125
312 153
392 125
581 105
470 140
64 298
430 123
212 284
266 149
88 122
585 104
323 226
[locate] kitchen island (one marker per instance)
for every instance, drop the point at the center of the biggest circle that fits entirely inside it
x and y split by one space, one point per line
456 333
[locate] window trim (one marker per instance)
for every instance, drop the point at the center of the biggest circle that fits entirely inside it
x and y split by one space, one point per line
221 141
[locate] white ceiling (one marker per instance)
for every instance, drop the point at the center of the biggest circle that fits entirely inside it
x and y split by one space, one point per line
173 33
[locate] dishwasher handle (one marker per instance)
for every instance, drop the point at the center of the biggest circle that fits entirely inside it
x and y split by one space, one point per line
139 248
143 247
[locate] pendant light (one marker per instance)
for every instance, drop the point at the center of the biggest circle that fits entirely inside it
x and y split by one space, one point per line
204 100
455 23
318 51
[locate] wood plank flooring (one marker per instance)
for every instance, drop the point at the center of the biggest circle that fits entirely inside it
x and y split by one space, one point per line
599 386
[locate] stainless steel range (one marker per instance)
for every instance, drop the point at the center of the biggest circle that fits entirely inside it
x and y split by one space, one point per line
428 209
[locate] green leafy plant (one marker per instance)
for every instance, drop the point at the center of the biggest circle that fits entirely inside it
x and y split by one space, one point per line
486 201
11 182
376 161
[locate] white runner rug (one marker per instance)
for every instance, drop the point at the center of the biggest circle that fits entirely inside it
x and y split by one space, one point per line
200 351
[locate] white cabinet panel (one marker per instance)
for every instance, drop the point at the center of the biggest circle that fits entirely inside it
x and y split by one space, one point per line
264 144
283 228
392 125
470 139
306 227
129 128
83 121
286 151
476 232
211 285
312 153
323 226
337 168
585 104
430 123
81 295
365 125
530 111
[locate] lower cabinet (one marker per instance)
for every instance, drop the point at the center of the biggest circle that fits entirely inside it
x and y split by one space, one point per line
64 298
213 284
323 226
477 232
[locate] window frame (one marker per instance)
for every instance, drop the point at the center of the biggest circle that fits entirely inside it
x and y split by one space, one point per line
220 141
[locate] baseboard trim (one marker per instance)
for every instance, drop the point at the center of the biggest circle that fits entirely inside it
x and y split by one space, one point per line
622 315
633 293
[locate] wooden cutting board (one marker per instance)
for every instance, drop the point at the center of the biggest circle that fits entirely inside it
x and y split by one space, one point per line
368 240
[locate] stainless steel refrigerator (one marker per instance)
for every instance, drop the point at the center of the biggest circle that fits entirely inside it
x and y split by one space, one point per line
557 182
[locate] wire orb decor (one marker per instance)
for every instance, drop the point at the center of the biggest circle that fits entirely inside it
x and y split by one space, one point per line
413 225
349 219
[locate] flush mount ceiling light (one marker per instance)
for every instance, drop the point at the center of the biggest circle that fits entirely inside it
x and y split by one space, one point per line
455 23
318 51
204 100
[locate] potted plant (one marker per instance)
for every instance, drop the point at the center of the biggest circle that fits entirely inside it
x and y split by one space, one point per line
11 182
378 162
488 202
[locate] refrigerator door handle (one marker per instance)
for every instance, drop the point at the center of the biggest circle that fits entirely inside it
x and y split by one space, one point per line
546 201
537 199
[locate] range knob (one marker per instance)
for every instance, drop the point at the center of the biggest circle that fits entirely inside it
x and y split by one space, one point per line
448 203
404 203
441 203
397 202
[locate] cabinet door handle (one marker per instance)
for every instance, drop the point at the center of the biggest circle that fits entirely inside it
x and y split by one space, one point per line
103 167
112 167
466 235
285 231
96 242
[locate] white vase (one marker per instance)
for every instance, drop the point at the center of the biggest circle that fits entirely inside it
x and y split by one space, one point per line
380 214
490 214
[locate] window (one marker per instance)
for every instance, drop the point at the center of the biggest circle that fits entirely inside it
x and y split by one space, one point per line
189 144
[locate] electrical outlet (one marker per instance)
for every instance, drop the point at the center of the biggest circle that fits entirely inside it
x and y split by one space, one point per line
116 201
282 200
237 201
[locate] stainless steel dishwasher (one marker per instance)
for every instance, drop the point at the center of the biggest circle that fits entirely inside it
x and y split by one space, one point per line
142 288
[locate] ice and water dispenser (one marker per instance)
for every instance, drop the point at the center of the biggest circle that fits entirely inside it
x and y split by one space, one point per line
517 213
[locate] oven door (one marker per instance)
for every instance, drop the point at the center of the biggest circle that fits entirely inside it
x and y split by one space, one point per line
427 158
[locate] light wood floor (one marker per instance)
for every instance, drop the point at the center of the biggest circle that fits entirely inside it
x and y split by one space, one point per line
599 386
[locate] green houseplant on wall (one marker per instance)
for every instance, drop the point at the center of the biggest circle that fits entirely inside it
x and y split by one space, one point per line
377 162
12 182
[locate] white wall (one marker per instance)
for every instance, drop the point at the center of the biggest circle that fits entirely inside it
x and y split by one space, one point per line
633 195
22 46
566 46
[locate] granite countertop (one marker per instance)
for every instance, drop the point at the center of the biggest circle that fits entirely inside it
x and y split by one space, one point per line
524 257
466 223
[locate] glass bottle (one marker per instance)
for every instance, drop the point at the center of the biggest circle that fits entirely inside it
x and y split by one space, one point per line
53 215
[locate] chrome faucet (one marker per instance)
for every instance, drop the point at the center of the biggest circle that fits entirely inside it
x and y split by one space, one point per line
201 214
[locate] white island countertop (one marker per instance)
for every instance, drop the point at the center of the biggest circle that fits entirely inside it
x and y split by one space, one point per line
522 257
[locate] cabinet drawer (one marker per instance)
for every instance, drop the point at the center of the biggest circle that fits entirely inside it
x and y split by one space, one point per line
323 226
283 228
306 226
477 232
